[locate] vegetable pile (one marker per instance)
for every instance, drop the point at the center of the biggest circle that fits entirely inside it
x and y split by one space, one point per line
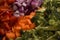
15 16
29 19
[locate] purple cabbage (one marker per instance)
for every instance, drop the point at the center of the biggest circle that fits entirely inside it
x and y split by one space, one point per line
27 6
36 3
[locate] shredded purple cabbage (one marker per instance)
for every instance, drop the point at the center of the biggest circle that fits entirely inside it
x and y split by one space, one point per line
27 6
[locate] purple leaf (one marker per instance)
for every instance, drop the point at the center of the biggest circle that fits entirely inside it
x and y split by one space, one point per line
17 13
21 9
36 3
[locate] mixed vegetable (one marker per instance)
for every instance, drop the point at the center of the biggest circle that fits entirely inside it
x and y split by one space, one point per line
15 16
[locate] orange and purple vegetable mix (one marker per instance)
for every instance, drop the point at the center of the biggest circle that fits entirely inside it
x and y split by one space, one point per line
16 15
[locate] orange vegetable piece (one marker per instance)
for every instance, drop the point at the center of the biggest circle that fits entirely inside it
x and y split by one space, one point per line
17 28
28 21
27 27
10 35
23 28
17 34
